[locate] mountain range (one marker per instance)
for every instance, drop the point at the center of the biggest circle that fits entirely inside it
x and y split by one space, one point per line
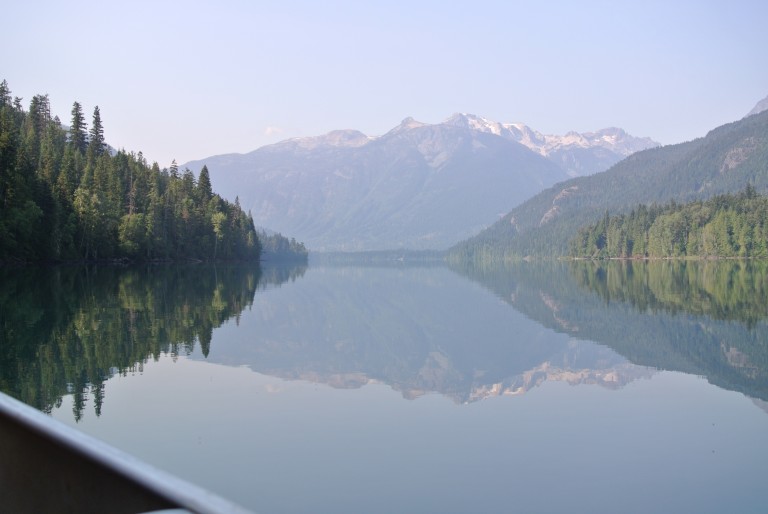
724 161
419 186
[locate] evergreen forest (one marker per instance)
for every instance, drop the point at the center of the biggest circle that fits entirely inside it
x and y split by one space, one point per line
65 195
276 247
723 226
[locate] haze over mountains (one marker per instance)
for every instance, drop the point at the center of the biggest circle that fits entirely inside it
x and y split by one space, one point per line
724 161
419 186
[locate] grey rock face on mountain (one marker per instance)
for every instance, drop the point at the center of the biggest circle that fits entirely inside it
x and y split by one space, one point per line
577 154
419 186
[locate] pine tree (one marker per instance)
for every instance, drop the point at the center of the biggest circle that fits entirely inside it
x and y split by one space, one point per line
77 135
36 124
5 94
204 189
40 112
97 143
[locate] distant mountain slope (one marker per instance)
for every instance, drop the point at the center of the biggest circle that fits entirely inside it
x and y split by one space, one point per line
761 106
724 161
419 186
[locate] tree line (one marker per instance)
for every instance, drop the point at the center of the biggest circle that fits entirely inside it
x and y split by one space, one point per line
723 226
277 247
65 195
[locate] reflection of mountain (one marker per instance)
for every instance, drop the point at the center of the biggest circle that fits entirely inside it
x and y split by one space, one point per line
419 330
68 329
703 318
614 377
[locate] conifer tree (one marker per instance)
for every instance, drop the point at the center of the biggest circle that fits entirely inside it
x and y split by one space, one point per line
77 135
40 112
5 94
97 133
205 191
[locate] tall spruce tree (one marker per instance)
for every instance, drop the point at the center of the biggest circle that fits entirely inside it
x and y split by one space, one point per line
97 133
204 189
77 135
40 113
5 94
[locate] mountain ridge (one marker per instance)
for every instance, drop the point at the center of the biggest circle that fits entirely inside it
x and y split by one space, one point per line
418 186
724 161
612 139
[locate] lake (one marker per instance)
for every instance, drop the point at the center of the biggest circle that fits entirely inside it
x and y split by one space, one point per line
535 387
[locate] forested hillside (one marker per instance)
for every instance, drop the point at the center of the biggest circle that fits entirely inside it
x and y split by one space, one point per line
65 196
724 226
725 161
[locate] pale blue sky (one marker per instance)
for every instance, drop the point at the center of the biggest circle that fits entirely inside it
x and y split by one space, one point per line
187 80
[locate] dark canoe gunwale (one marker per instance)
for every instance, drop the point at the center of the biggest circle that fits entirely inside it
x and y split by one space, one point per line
47 466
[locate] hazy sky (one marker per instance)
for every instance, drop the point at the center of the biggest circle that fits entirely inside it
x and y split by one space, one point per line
187 79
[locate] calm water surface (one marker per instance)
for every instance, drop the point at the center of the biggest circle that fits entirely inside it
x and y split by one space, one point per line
533 388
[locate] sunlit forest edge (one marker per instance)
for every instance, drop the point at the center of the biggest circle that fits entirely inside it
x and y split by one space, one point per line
65 195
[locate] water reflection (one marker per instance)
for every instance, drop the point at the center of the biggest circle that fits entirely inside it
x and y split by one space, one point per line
702 318
420 330
65 330
278 445
731 290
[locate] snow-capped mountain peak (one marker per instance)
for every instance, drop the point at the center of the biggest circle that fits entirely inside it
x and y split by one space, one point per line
613 139
334 138
576 153
475 123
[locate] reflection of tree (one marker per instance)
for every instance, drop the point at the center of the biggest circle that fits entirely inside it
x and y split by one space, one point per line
276 274
704 318
68 329
725 290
